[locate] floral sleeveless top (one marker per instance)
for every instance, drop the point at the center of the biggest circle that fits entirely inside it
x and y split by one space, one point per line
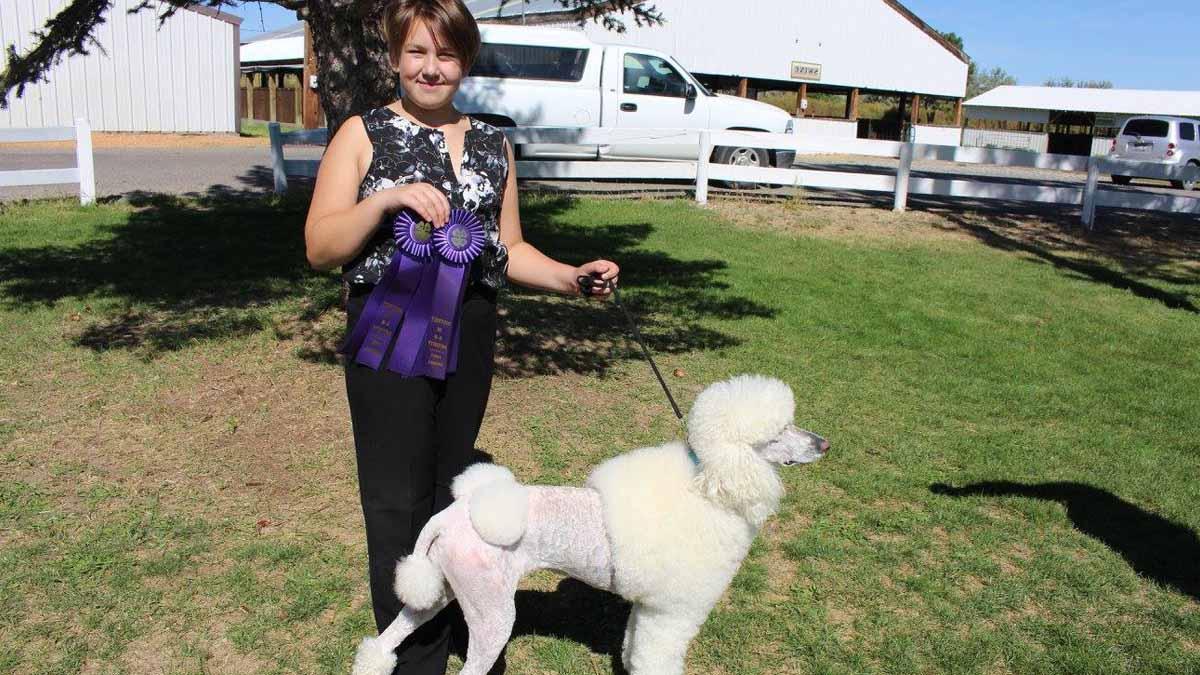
406 152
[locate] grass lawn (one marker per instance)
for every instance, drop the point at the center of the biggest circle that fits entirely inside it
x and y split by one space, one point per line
258 128
1013 410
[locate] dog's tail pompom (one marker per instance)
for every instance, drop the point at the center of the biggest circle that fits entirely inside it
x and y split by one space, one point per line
478 475
373 658
419 582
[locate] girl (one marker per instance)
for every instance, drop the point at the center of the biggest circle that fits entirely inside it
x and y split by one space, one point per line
413 435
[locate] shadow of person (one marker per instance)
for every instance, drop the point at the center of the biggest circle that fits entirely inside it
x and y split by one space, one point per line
1153 546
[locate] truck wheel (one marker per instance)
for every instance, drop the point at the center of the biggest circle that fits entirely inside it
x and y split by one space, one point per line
1121 180
742 157
1188 185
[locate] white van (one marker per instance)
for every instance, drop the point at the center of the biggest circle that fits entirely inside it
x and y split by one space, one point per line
1158 140
537 76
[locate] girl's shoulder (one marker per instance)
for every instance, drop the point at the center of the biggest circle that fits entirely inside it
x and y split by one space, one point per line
491 135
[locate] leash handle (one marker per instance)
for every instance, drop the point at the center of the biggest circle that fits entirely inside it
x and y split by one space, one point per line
590 284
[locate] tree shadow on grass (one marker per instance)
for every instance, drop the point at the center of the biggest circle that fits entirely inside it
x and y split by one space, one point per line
1150 254
228 262
1154 547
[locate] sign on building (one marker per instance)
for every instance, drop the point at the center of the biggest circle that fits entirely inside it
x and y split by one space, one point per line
806 71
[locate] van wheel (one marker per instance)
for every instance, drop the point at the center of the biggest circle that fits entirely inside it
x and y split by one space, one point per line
1121 180
741 157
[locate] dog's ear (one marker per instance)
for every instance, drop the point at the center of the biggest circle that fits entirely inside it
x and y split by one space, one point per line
737 478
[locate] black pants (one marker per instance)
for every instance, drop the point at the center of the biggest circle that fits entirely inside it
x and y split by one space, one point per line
412 436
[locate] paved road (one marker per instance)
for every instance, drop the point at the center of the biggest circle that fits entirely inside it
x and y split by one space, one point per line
201 170
176 171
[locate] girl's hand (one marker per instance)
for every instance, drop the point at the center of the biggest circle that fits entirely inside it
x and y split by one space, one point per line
606 269
426 200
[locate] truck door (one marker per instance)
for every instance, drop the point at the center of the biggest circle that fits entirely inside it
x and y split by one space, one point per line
653 94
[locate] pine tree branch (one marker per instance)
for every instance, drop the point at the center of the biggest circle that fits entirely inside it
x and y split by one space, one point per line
68 32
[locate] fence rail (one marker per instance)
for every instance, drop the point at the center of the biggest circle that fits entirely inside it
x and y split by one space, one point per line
702 170
83 172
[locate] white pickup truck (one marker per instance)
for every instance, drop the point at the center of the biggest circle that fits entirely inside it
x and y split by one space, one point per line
537 76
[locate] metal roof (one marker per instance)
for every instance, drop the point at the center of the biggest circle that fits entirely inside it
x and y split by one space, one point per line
493 9
276 49
1116 101
290 30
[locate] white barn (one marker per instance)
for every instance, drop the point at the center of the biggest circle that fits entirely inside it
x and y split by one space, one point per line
1065 120
180 78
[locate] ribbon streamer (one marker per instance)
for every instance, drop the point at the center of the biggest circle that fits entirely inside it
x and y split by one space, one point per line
417 304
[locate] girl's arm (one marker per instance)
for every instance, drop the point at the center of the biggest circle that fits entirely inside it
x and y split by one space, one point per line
338 225
530 267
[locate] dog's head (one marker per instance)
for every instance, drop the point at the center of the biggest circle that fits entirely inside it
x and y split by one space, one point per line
739 429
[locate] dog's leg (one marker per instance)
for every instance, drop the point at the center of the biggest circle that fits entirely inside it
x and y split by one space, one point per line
660 642
376 656
630 636
485 585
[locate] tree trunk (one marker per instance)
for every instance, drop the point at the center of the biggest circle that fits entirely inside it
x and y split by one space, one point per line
351 56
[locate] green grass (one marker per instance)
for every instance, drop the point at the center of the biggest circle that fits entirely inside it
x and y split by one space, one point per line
258 128
1012 486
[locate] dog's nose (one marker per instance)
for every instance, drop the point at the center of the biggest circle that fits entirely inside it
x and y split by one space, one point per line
824 445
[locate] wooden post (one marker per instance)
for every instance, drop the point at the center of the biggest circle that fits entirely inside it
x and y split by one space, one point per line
278 168
250 95
312 104
801 97
916 109
1089 193
702 166
852 105
83 160
958 116
743 87
297 101
271 86
902 172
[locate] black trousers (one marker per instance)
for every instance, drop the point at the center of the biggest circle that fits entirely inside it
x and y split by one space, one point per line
412 436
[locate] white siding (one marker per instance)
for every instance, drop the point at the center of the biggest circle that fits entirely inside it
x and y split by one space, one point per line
179 78
930 135
859 43
827 128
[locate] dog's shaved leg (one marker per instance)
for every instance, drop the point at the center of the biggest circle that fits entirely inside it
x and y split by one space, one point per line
489 630
376 656
661 641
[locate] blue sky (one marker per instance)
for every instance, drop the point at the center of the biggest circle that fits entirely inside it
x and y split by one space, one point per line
1137 44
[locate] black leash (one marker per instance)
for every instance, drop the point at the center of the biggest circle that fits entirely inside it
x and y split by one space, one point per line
590 285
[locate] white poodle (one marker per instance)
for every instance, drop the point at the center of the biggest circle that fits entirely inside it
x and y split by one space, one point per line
665 527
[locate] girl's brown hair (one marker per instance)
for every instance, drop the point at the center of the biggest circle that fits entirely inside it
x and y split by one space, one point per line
448 20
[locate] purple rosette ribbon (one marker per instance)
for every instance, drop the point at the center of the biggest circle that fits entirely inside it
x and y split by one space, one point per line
417 302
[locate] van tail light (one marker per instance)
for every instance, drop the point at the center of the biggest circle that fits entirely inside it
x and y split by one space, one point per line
1170 149
1113 147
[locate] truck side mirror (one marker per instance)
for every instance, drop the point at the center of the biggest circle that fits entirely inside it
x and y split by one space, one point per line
690 92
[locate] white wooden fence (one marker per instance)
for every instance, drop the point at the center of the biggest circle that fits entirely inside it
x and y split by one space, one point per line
83 172
1088 196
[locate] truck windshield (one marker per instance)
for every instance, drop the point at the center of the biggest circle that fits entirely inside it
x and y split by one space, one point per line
529 62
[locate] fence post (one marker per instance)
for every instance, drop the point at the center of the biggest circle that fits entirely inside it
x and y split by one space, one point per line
702 166
277 166
83 160
906 155
1089 193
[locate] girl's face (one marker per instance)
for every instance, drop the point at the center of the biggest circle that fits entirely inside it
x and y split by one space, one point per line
430 71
